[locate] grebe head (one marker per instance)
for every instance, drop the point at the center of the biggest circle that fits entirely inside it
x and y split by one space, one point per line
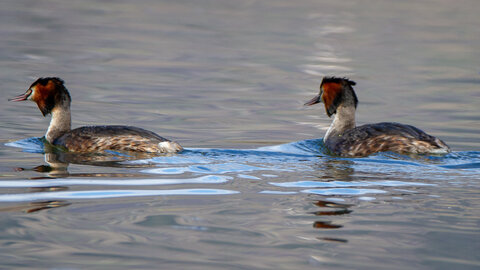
47 93
333 92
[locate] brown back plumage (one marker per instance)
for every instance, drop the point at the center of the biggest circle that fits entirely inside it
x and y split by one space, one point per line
385 137
115 138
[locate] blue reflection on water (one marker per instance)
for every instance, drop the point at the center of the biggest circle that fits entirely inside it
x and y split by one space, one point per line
30 145
277 192
343 191
102 194
209 179
328 176
214 168
348 184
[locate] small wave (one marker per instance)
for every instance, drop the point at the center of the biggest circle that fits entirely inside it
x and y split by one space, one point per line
209 179
304 184
313 147
177 159
276 192
343 191
105 194
462 160
475 165
31 145
215 168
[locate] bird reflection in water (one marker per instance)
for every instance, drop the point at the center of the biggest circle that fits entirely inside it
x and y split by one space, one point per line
35 206
330 209
332 170
58 163
57 167
336 169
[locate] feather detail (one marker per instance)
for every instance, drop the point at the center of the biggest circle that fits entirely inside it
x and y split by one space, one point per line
332 95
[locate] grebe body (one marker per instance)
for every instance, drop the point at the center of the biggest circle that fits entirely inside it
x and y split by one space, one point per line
53 98
343 138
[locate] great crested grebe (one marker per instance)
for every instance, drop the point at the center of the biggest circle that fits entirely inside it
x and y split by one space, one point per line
343 138
53 98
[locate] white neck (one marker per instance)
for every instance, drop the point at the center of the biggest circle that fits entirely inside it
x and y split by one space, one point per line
59 124
343 120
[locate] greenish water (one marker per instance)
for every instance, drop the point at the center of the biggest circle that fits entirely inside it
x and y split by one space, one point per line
253 190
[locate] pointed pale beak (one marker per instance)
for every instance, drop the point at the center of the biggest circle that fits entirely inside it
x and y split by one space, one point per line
316 99
22 97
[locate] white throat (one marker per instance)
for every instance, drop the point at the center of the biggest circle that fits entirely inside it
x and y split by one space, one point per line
59 124
343 120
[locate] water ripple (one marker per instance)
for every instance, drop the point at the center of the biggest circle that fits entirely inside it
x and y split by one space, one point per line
343 191
216 166
210 169
31 145
209 179
104 194
348 184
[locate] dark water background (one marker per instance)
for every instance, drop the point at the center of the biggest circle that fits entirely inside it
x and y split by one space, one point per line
253 190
